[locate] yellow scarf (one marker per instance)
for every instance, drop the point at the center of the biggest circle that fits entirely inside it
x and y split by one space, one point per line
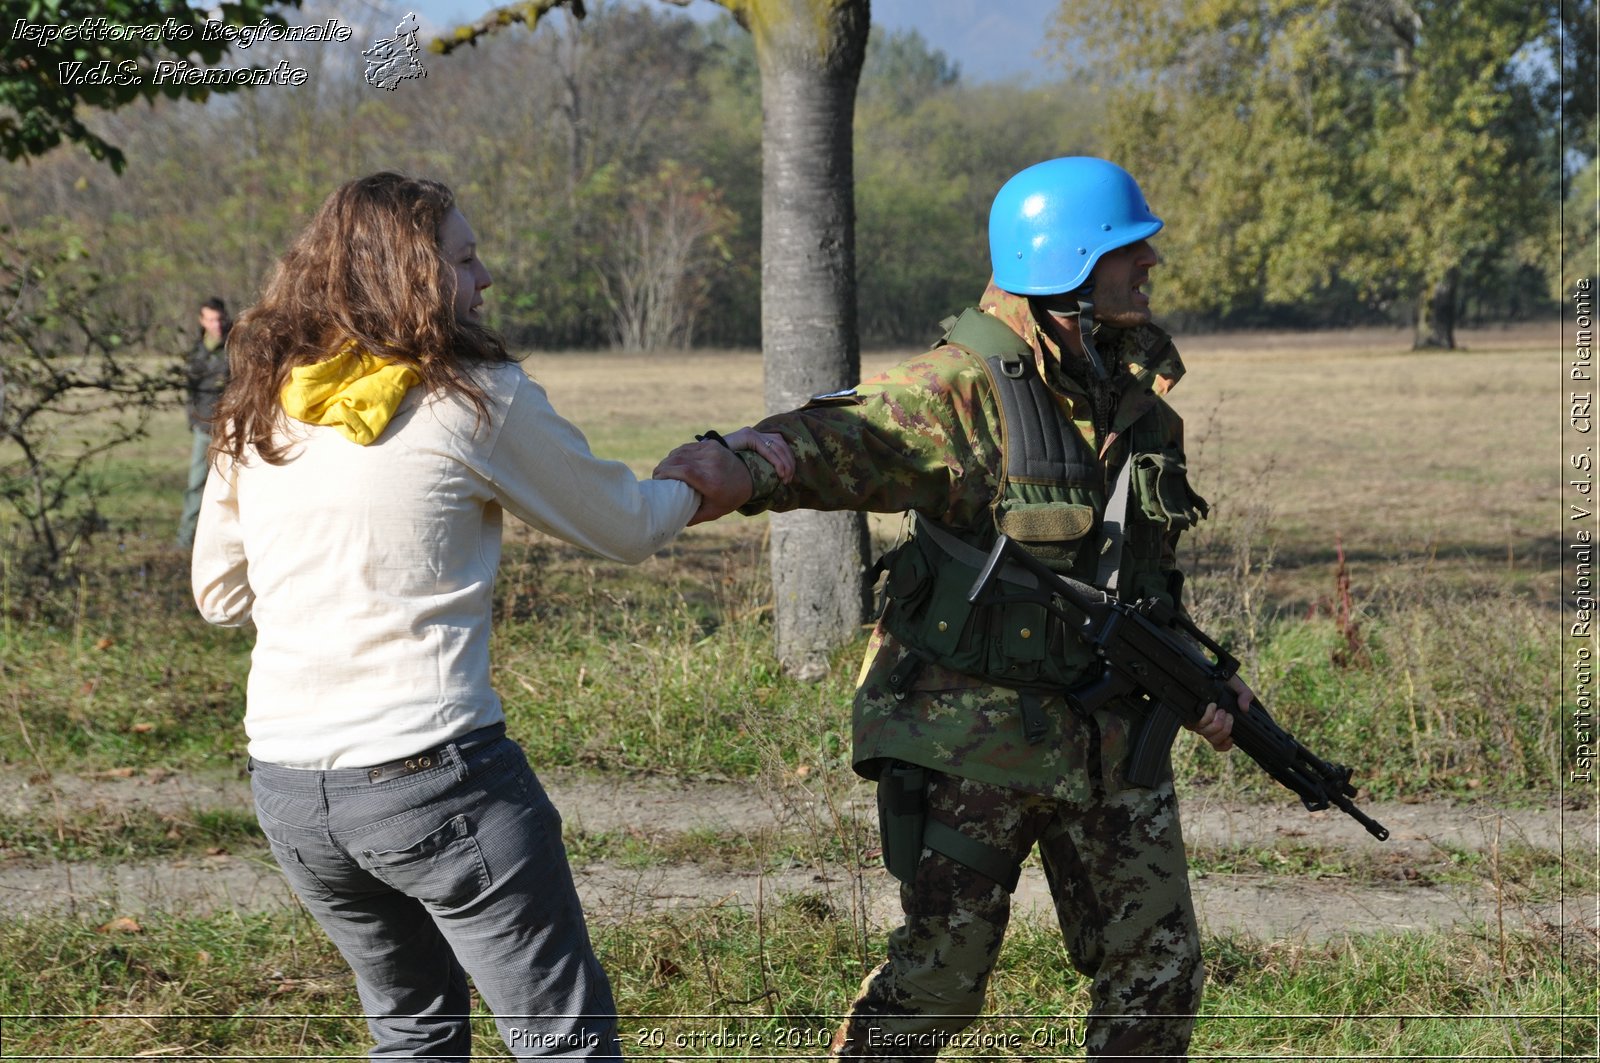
354 392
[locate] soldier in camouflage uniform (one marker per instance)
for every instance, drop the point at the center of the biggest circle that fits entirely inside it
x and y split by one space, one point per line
1000 761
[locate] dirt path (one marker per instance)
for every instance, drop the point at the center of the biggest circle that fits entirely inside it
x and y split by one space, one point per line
1398 890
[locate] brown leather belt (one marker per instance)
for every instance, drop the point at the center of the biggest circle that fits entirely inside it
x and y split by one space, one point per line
407 765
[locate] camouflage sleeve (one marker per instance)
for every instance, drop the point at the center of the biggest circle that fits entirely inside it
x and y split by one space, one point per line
923 436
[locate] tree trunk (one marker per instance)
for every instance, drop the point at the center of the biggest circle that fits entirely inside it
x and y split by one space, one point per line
1436 314
810 56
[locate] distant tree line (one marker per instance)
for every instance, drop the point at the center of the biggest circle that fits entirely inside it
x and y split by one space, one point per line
1336 161
612 170
611 167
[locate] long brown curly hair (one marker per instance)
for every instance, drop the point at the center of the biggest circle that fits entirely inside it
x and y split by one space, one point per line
368 268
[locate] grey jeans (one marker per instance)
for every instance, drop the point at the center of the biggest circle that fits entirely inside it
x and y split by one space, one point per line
427 876
199 468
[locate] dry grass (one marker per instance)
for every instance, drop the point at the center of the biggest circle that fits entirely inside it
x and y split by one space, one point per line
1439 461
1447 460
1444 459
637 407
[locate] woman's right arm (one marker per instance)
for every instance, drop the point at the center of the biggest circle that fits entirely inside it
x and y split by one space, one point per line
218 571
543 471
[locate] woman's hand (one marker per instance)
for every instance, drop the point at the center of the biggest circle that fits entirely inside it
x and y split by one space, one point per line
769 445
1216 726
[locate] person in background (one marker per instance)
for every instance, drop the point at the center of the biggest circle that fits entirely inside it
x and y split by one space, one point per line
207 372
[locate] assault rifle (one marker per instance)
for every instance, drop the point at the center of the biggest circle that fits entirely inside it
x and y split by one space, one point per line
1144 654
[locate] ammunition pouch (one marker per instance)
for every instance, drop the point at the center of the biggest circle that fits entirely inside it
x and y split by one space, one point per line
1161 487
1163 504
1052 531
1016 645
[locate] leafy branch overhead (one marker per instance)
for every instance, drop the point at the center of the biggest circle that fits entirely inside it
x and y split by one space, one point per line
63 54
744 12
527 14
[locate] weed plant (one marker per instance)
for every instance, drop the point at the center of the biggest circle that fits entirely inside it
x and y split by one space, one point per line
1446 694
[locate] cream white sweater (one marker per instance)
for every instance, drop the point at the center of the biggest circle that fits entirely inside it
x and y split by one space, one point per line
368 571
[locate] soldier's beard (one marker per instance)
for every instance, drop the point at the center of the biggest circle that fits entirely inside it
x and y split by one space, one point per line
1130 318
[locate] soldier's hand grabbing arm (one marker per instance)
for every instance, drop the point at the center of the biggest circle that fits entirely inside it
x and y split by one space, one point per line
714 470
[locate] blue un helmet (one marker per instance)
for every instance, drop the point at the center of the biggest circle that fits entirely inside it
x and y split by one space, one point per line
1051 223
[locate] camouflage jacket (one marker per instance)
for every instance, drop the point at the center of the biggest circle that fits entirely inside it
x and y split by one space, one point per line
925 437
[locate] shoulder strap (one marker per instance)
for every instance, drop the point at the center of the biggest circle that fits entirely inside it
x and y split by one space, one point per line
1037 446
1033 429
987 336
1113 530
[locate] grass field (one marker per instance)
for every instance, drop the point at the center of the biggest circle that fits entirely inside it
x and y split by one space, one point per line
772 983
1435 475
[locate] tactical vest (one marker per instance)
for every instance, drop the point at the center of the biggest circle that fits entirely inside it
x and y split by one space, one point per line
1051 498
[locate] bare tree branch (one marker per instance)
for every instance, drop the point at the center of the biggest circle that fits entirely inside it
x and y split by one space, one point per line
79 383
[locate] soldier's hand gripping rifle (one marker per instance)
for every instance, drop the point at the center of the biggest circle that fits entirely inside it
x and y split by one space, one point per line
1144 653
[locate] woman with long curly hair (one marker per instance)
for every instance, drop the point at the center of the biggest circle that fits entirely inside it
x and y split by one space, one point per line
371 434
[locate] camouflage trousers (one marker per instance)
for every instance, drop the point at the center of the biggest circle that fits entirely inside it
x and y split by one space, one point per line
1119 880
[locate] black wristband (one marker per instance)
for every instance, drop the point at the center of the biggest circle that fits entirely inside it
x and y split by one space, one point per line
713 435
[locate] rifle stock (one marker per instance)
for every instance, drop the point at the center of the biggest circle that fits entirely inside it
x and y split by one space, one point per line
1150 651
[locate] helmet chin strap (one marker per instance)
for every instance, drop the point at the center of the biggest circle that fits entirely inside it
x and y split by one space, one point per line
1085 316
